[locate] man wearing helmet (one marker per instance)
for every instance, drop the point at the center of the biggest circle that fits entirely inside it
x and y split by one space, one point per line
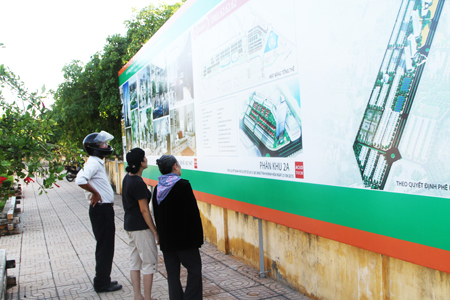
94 180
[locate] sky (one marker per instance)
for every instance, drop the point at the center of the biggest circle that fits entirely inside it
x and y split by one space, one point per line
40 37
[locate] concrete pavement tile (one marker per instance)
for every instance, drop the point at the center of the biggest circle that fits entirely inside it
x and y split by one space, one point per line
12 252
125 293
11 243
121 246
30 228
213 269
208 246
82 288
123 265
226 278
116 272
32 292
90 272
253 274
281 289
35 273
70 276
82 229
162 270
37 254
183 272
32 262
58 238
86 296
35 239
73 281
158 276
210 250
255 292
88 261
230 262
62 245
34 249
85 238
210 288
36 282
121 255
62 254
84 250
160 290
221 256
77 234
121 241
222 296
74 227
183 276
206 259
63 263
235 283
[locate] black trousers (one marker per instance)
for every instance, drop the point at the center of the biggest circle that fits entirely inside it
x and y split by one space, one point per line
191 260
102 221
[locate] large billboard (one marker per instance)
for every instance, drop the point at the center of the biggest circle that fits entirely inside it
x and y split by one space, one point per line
331 117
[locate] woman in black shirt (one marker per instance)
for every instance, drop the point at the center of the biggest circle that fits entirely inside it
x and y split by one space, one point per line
139 225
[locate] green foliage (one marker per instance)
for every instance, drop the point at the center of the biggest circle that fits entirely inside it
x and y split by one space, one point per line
27 145
89 100
145 24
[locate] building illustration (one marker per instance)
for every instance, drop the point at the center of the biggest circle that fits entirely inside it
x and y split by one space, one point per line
261 42
182 125
248 48
272 125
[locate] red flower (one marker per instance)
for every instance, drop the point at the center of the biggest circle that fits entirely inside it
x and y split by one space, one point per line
28 180
2 179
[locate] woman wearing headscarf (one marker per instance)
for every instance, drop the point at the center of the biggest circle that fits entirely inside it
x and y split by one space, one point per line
180 230
139 225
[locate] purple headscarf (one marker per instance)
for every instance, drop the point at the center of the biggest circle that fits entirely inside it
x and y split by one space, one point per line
165 185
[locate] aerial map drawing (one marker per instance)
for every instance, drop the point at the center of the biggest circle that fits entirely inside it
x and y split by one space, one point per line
377 142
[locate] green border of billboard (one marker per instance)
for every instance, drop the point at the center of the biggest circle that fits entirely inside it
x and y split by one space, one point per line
418 219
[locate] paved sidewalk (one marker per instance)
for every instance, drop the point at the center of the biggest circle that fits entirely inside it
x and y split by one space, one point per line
54 256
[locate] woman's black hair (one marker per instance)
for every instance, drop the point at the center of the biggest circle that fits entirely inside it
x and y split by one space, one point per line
165 163
134 158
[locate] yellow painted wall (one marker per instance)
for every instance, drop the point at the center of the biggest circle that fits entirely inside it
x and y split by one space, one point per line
317 267
116 171
322 268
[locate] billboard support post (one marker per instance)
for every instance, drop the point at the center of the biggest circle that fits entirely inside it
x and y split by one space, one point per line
262 272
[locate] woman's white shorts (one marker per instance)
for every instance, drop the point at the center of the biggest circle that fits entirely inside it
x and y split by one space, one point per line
144 254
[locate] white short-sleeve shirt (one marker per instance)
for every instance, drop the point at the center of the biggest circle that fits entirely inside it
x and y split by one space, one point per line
94 172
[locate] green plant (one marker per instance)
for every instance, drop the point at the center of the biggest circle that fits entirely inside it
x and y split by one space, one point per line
27 144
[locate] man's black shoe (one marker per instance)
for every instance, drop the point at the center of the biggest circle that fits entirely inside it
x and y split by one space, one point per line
109 288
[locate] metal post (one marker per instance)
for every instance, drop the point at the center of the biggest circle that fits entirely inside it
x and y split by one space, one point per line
262 272
118 183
